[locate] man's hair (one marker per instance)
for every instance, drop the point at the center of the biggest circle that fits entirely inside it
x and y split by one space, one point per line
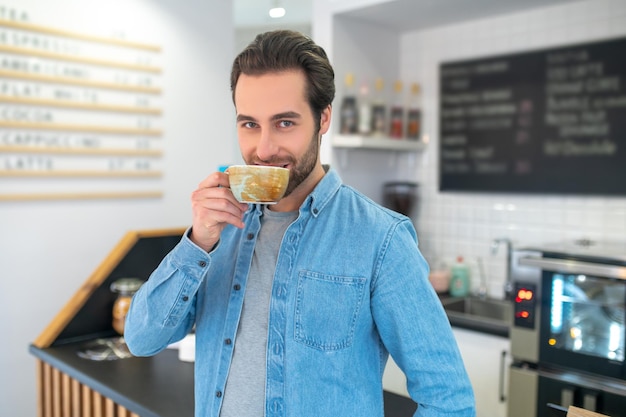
286 50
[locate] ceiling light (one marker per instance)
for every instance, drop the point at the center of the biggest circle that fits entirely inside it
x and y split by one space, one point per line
277 12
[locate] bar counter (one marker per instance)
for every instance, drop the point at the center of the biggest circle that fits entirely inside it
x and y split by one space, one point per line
158 386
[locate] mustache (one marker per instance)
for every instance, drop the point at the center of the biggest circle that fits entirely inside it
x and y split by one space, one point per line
273 161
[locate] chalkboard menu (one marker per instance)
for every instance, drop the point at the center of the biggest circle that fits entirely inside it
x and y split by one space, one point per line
548 121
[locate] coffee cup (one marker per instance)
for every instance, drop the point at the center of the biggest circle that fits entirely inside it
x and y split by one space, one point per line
259 184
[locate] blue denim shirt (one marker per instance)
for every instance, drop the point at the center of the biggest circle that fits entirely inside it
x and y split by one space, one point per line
350 287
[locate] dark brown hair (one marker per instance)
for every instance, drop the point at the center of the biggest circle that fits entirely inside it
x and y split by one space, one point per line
284 50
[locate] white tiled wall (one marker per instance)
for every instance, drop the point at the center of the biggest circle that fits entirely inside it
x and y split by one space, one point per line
451 224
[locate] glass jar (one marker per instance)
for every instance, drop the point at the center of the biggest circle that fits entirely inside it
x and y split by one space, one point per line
125 289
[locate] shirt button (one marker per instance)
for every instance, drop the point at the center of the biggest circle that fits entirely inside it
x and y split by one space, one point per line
218 394
185 298
250 236
315 211
237 287
201 264
228 341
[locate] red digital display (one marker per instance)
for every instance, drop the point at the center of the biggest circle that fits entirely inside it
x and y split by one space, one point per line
524 294
524 307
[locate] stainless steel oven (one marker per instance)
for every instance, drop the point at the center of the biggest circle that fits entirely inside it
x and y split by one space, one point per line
568 334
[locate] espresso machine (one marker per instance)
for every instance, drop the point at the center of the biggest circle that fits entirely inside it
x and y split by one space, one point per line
400 196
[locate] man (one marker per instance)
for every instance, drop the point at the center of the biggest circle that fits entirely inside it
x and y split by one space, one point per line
297 305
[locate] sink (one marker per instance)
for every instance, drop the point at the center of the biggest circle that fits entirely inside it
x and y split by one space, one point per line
488 308
483 314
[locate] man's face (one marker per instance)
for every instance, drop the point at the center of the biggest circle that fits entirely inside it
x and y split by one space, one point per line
275 124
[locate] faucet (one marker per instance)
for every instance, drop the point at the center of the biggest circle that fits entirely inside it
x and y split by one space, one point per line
482 291
508 285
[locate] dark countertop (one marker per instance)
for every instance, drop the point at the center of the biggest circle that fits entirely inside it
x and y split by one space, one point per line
158 386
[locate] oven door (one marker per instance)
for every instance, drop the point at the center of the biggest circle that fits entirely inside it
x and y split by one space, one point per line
549 393
583 318
558 390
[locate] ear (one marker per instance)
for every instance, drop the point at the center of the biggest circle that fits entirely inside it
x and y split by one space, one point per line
325 119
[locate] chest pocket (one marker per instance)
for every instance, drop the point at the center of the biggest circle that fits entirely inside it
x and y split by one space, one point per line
327 308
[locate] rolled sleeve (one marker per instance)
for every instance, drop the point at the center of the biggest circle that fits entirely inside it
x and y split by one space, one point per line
163 310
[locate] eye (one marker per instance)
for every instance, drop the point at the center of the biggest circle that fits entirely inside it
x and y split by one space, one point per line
248 125
285 123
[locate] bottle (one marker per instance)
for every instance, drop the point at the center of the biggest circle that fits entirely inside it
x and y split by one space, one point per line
414 117
348 112
460 280
397 113
365 110
379 110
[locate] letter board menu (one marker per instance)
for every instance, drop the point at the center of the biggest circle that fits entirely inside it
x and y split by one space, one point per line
548 121
80 113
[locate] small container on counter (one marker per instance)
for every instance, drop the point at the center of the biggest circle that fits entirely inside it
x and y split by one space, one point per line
439 277
460 280
125 289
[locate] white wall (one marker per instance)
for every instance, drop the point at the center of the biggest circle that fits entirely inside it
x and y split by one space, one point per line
453 224
48 249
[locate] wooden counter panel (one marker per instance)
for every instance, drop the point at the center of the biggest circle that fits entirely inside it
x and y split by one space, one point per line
63 396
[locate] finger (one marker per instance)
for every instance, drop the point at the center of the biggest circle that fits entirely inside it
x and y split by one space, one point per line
217 193
217 205
216 179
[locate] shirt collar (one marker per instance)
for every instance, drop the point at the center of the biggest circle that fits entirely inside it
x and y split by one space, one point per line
323 192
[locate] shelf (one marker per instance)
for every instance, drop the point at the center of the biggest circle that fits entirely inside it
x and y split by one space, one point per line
54 79
67 150
113 130
29 52
81 196
364 142
80 36
79 174
80 106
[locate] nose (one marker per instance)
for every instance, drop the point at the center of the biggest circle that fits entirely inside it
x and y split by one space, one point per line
267 147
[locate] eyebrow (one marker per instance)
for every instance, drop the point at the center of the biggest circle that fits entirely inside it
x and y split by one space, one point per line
278 116
286 115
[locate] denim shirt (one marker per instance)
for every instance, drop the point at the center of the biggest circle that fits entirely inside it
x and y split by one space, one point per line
350 288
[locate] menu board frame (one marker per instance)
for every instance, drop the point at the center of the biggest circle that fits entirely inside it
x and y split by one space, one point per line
546 121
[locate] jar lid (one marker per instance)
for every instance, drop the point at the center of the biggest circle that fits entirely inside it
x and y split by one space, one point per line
126 285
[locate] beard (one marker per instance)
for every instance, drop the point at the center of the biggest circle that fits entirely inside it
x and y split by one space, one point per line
300 170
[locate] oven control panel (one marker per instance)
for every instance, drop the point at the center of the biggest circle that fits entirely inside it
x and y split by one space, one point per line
525 297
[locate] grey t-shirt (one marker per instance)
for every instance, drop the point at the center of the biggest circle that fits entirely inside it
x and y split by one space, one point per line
244 395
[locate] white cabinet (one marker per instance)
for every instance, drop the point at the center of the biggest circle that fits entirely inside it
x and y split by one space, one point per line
487 359
394 379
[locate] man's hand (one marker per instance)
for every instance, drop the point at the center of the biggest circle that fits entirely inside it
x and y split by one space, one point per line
214 206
